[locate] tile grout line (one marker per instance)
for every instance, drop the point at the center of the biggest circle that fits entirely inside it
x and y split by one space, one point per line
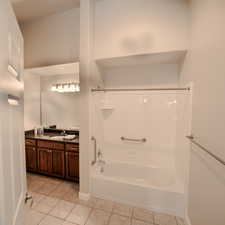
76 203
55 207
59 199
92 209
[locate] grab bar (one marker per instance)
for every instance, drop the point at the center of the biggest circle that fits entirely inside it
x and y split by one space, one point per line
95 150
135 140
192 139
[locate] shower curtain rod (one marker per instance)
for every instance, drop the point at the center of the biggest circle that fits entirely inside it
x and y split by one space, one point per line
140 89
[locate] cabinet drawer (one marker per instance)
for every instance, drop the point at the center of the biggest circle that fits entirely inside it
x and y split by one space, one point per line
30 142
51 145
72 147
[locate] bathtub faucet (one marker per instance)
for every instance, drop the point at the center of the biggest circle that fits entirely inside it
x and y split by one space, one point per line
100 158
101 162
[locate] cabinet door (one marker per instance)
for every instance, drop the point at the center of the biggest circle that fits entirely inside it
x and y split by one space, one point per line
45 161
72 166
58 163
31 158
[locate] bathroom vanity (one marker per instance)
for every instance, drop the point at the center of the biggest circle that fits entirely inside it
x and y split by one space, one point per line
50 154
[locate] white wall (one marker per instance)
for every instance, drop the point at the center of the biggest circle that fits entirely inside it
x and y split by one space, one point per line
205 66
31 101
137 26
143 76
182 130
86 80
61 109
52 39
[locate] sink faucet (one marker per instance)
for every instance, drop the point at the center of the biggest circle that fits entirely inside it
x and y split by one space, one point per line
64 133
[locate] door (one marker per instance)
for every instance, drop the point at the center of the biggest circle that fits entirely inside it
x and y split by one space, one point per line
12 154
72 166
58 163
44 161
31 158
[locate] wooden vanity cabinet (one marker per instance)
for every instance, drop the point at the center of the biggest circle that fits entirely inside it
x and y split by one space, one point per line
53 158
72 162
31 155
44 161
58 163
31 158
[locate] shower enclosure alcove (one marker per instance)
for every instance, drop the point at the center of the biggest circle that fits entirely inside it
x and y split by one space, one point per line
139 120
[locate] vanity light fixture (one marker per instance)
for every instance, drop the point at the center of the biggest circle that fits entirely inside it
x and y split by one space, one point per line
66 87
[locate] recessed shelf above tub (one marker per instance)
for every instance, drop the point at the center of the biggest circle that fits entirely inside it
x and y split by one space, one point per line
171 57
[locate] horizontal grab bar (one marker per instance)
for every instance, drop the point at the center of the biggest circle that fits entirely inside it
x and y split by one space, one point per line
192 139
135 140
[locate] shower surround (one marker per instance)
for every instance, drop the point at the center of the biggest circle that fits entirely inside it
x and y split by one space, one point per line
151 173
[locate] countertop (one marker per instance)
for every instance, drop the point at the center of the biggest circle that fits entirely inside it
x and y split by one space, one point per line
48 137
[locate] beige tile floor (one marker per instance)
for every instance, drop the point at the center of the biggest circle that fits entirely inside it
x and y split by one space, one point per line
56 203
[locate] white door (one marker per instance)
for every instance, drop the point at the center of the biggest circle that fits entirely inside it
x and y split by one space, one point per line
12 154
12 163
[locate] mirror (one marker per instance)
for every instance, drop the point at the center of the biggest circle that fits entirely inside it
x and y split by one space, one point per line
56 89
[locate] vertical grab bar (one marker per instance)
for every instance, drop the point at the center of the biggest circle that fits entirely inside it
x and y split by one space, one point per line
95 151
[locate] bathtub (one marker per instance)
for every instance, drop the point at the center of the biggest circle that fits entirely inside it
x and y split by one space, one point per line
148 187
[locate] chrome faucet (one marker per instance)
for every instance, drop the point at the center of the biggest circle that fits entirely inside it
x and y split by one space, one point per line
100 161
100 158
63 133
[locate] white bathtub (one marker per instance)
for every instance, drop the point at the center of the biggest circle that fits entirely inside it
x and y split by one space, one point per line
142 186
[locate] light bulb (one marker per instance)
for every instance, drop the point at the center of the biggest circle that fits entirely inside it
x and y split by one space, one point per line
78 88
54 88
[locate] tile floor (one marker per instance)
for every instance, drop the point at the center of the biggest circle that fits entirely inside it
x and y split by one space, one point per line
56 203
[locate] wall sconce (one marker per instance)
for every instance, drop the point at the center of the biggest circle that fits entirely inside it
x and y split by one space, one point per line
13 100
13 71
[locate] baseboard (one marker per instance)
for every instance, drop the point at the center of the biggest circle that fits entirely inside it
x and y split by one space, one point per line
84 196
187 220
19 212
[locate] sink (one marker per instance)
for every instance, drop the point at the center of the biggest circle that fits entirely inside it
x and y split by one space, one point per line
57 137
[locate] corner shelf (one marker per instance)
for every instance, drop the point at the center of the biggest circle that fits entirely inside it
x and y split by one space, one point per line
170 57
108 107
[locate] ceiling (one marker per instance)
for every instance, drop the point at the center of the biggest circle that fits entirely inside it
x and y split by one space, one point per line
31 9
